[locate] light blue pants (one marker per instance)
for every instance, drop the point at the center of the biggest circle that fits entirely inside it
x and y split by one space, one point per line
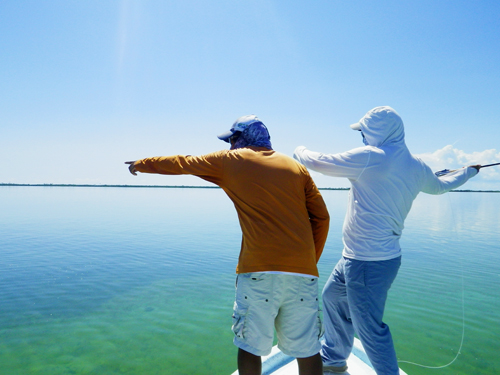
353 302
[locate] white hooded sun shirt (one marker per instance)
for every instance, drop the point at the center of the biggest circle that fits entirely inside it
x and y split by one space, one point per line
385 180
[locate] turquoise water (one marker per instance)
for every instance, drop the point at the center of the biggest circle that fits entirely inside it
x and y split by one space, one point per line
141 281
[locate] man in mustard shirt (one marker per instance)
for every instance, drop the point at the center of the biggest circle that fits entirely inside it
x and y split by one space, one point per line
285 224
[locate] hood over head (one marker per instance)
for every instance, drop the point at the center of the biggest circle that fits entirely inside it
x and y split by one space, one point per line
381 126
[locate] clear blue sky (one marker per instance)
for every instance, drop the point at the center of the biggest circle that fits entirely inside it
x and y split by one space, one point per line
87 85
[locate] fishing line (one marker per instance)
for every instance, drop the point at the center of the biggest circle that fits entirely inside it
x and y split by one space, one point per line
463 304
441 173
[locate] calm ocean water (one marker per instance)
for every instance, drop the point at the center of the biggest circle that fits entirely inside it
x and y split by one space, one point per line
141 281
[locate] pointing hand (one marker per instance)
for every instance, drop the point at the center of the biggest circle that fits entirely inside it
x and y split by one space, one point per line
131 167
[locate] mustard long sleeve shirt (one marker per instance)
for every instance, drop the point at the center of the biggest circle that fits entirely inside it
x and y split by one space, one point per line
282 214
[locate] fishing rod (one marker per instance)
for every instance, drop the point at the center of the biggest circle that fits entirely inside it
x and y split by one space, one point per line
488 165
446 171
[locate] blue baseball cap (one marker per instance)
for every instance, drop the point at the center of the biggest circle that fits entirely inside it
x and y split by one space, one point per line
239 125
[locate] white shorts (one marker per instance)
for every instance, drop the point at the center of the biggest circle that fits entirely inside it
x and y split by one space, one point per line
288 303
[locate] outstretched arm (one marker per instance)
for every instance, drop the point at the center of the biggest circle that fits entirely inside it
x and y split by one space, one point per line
348 164
208 167
444 181
443 172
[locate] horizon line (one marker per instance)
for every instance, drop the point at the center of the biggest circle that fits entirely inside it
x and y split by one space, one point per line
192 187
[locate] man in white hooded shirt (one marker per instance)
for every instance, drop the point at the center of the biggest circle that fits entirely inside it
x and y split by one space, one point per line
385 179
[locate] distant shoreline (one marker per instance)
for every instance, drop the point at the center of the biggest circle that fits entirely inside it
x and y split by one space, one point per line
192 187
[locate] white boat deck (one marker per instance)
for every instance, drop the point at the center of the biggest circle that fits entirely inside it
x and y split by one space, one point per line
278 363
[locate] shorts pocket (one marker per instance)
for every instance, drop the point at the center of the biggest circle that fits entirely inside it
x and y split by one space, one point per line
239 319
308 289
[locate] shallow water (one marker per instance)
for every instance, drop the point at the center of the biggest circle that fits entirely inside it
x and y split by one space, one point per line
141 281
